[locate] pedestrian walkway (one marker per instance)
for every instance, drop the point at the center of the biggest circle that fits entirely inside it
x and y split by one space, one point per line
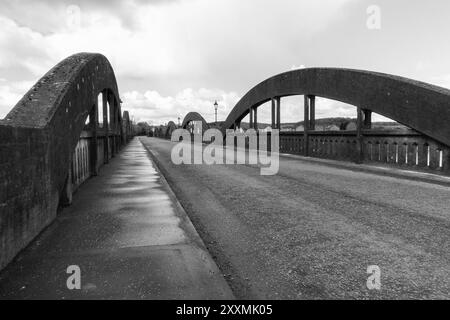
129 237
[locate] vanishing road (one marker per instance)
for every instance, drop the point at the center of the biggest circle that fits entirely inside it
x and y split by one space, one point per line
312 230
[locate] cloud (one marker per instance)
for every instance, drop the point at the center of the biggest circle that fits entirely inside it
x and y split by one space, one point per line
165 52
172 45
153 107
441 80
21 48
208 42
11 93
294 67
29 12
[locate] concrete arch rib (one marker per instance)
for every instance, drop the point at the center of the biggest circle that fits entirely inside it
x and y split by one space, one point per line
171 127
39 136
421 106
194 116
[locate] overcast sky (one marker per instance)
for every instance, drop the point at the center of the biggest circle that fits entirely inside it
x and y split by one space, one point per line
174 56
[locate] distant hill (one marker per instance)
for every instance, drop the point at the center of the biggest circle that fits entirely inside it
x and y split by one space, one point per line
388 126
323 122
330 122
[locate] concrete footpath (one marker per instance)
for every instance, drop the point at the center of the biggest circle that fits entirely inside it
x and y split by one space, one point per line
128 235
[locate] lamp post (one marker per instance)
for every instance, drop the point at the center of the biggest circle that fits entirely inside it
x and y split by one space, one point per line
216 105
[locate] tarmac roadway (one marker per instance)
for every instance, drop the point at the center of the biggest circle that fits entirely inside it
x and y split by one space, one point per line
313 230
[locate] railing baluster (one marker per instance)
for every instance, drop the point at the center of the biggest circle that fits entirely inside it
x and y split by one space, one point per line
411 154
434 156
392 148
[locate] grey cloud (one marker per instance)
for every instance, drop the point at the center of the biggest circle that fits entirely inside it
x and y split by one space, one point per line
29 13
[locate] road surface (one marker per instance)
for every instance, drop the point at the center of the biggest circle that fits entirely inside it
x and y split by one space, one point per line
312 230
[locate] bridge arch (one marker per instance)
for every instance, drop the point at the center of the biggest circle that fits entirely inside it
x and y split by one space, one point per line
159 132
420 106
171 127
194 116
38 139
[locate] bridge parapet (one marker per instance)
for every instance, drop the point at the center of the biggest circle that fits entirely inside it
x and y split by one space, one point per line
405 149
47 148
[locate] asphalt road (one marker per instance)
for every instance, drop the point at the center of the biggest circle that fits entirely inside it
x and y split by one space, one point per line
311 231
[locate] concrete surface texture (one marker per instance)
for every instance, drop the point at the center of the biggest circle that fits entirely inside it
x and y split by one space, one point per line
129 237
312 230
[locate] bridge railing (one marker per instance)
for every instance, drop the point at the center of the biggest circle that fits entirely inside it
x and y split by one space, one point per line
404 149
82 167
81 164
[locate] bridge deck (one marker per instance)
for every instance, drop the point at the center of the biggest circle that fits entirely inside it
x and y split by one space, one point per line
312 230
129 238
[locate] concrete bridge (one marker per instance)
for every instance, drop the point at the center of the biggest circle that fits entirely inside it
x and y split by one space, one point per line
342 201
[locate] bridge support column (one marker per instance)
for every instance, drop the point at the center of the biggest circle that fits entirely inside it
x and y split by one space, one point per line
119 127
113 105
93 116
278 125
255 126
360 119
312 112
276 113
117 133
105 125
238 126
306 122
367 124
66 195
273 113
250 112
116 125
309 120
112 124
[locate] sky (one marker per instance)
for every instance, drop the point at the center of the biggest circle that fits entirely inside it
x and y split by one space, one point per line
175 56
